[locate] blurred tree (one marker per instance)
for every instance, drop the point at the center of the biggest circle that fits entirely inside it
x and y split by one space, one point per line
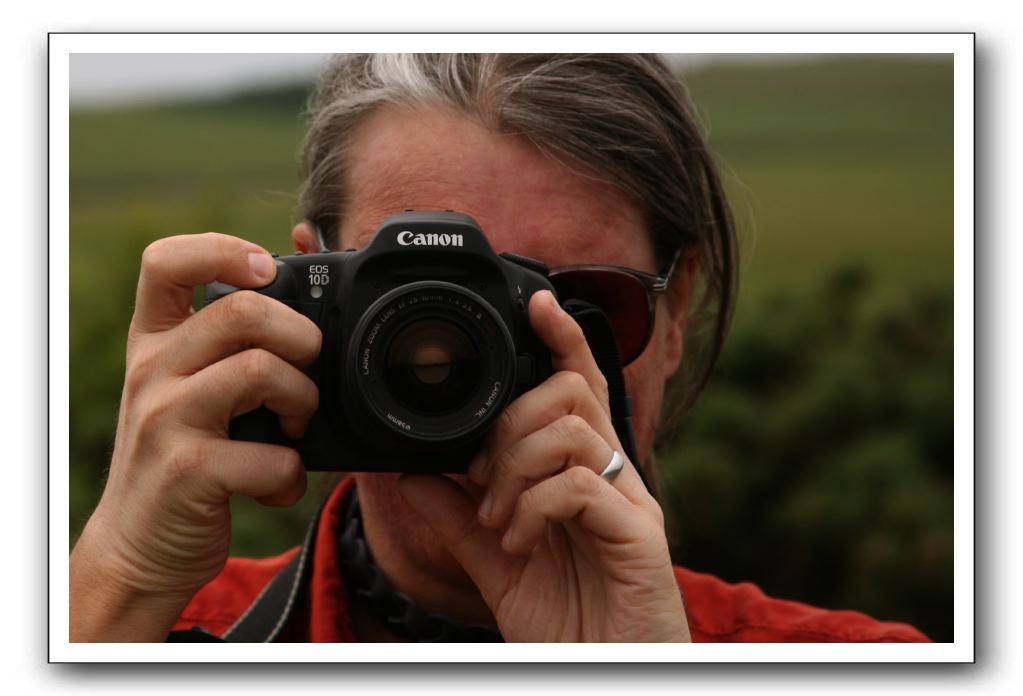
819 462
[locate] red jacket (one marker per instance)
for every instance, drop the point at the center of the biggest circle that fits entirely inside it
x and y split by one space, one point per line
717 611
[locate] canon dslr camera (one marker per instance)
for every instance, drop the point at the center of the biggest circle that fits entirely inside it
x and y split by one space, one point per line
425 341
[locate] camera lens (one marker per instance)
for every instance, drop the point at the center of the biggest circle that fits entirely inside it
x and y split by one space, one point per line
432 366
430 361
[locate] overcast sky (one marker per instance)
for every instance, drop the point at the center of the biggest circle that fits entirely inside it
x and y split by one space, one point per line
112 78
103 78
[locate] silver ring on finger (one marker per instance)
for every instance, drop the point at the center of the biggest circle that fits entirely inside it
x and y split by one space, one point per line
614 467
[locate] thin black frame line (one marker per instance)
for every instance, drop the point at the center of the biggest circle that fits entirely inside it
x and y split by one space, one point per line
49 357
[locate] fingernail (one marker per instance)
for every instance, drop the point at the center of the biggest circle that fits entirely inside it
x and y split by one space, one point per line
508 537
485 508
261 264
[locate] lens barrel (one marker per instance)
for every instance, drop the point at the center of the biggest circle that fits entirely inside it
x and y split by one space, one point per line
432 362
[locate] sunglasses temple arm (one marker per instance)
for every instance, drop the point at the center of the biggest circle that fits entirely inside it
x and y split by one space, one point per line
320 239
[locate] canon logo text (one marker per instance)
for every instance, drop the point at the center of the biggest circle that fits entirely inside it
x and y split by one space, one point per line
407 238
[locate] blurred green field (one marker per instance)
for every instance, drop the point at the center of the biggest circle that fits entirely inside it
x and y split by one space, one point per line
826 427
836 160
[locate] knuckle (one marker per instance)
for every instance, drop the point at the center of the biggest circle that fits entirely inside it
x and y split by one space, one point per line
224 246
505 464
572 381
257 366
574 429
581 480
311 402
506 425
243 311
214 238
289 464
574 334
528 503
315 341
154 256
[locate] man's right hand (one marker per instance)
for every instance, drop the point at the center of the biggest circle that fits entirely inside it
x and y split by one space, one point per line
162 527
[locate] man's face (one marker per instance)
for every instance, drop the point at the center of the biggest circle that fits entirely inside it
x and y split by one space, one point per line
527 203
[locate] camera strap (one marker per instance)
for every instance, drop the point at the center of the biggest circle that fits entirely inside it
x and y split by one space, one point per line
263 620
604 347
269 612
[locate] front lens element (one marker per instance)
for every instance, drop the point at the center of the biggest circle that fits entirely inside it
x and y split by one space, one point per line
432 366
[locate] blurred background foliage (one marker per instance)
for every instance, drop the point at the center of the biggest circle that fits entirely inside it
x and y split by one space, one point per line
817 464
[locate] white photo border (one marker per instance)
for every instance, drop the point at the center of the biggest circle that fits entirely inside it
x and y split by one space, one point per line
959 45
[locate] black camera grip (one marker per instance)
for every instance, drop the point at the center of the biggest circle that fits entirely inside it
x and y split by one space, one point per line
283 287
261 425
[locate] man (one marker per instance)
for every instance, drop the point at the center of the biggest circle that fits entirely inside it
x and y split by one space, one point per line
591 160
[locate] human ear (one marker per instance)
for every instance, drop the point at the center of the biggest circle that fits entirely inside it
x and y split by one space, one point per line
304 238
677 300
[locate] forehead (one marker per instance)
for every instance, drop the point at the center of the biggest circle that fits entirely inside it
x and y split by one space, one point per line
525 201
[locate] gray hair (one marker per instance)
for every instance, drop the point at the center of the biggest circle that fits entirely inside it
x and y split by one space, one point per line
626 118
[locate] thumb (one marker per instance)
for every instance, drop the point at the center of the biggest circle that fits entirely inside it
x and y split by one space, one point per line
451 513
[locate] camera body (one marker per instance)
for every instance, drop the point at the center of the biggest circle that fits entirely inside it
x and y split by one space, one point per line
426 339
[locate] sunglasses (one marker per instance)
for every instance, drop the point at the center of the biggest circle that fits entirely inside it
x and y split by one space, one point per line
626 296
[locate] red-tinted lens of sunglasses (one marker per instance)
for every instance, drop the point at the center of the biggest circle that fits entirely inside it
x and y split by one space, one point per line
621 296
